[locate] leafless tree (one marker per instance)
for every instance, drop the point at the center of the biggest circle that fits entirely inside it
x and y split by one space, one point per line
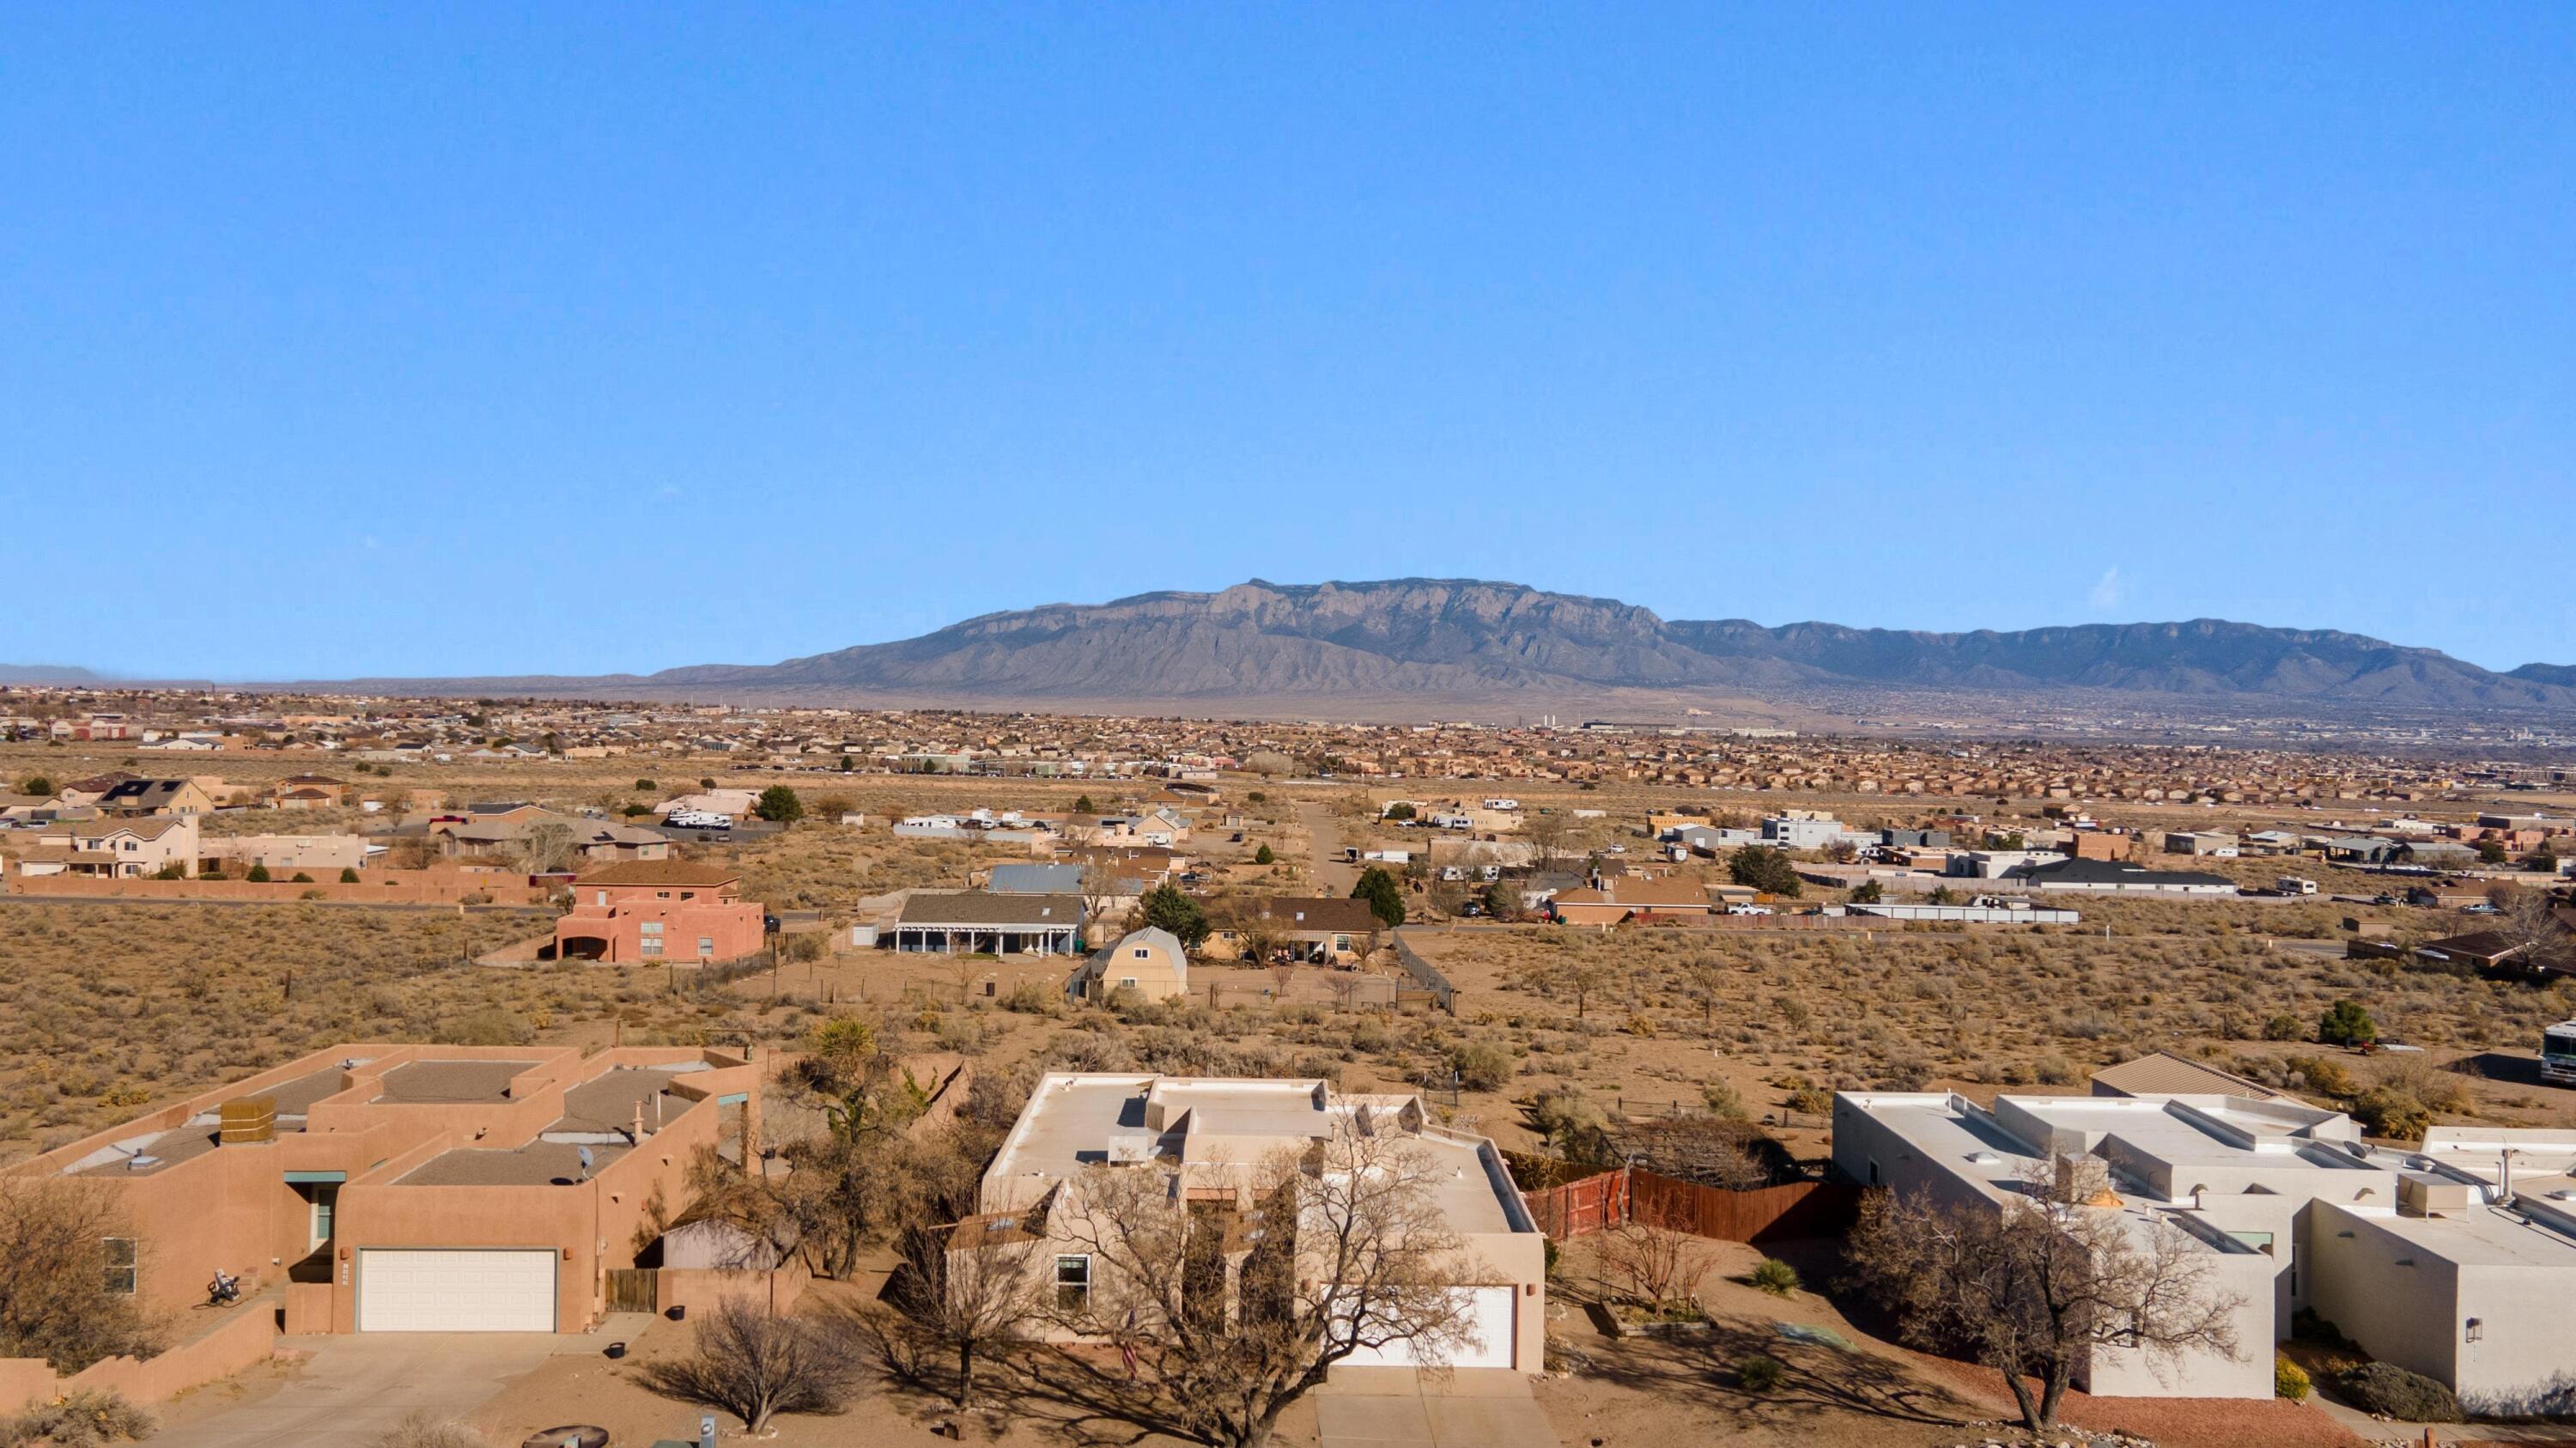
1548 831
1233 1311
545 847
968 1296
1568 974
2528 918
756 1366
2035 1285
1655 1266
67 1274
1711 1150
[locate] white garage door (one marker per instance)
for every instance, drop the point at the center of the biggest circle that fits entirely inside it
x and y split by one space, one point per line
1488 1343
419 1290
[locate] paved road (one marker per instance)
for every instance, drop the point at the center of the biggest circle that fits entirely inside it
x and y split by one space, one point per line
358 1386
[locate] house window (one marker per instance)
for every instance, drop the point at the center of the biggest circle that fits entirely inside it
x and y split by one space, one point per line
326 1201
1127 981
661 894
120 1258
1072 1283
603 897
706 947
1341 942
1144 954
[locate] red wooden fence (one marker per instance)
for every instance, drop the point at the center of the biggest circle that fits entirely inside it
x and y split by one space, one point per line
1764 1214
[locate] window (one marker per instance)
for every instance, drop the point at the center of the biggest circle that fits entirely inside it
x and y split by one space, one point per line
1072 1283
1127 981
706 947
603 897
1142 953
650 927
120 1259
326 1201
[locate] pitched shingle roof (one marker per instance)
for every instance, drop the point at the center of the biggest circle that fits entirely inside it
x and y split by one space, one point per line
978 908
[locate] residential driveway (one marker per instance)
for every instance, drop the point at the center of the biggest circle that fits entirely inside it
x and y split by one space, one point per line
358 1385
1472 1415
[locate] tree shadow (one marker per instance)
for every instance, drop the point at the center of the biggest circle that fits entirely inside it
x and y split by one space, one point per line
1817 1377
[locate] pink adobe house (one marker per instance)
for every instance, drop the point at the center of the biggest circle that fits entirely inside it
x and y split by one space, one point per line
651 912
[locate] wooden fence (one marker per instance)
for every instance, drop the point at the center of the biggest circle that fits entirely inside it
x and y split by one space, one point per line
1763 1214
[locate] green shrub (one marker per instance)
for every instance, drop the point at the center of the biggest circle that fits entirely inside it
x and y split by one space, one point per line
1775 1277
258 875
2283 1027
2347 1023
2289 1380
300 878
2326 1077
2389 1389
1759 1374
348 875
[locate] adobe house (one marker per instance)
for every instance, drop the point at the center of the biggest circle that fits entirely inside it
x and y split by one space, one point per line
1209 1142
414 1188
649 912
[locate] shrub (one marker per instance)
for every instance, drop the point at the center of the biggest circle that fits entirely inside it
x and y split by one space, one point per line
779 805
1775 1277
348 875
2282 1027
2389 1389
2289 1380
1759 1374
80 1420
1724 1100
1263 856
2347 1023
427 1430
756 1366
2326 1077
1484 1065
300 878
258 875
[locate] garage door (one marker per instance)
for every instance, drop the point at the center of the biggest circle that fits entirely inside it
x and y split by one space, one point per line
419 1290
1488 1343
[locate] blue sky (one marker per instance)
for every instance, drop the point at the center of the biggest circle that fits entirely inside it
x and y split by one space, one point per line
585 338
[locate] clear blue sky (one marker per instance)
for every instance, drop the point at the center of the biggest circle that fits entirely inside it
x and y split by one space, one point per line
582 338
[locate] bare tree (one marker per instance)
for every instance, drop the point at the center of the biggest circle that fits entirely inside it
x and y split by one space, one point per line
1548 830
1568 973
970 1288
2528 919
545 847
756 1366
67 1274
1235 1310
2034 1285
1655 1266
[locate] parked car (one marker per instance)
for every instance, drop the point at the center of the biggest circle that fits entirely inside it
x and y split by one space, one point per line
1748 909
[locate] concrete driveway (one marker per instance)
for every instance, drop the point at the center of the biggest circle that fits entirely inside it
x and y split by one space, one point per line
1383 1408
356 1386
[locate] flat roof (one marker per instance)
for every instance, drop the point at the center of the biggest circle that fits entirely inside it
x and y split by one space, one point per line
201 1132
608 1101
537 1164
1078 1120
437 1083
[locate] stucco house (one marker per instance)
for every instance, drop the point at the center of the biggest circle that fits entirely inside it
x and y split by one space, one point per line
413 1188
2450 1259
1214 1144
654 912
121 849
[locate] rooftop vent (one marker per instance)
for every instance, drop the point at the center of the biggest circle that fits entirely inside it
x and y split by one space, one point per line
141 1162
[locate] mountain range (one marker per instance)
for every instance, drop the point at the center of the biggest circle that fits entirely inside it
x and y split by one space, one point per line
1421 643
1435 640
